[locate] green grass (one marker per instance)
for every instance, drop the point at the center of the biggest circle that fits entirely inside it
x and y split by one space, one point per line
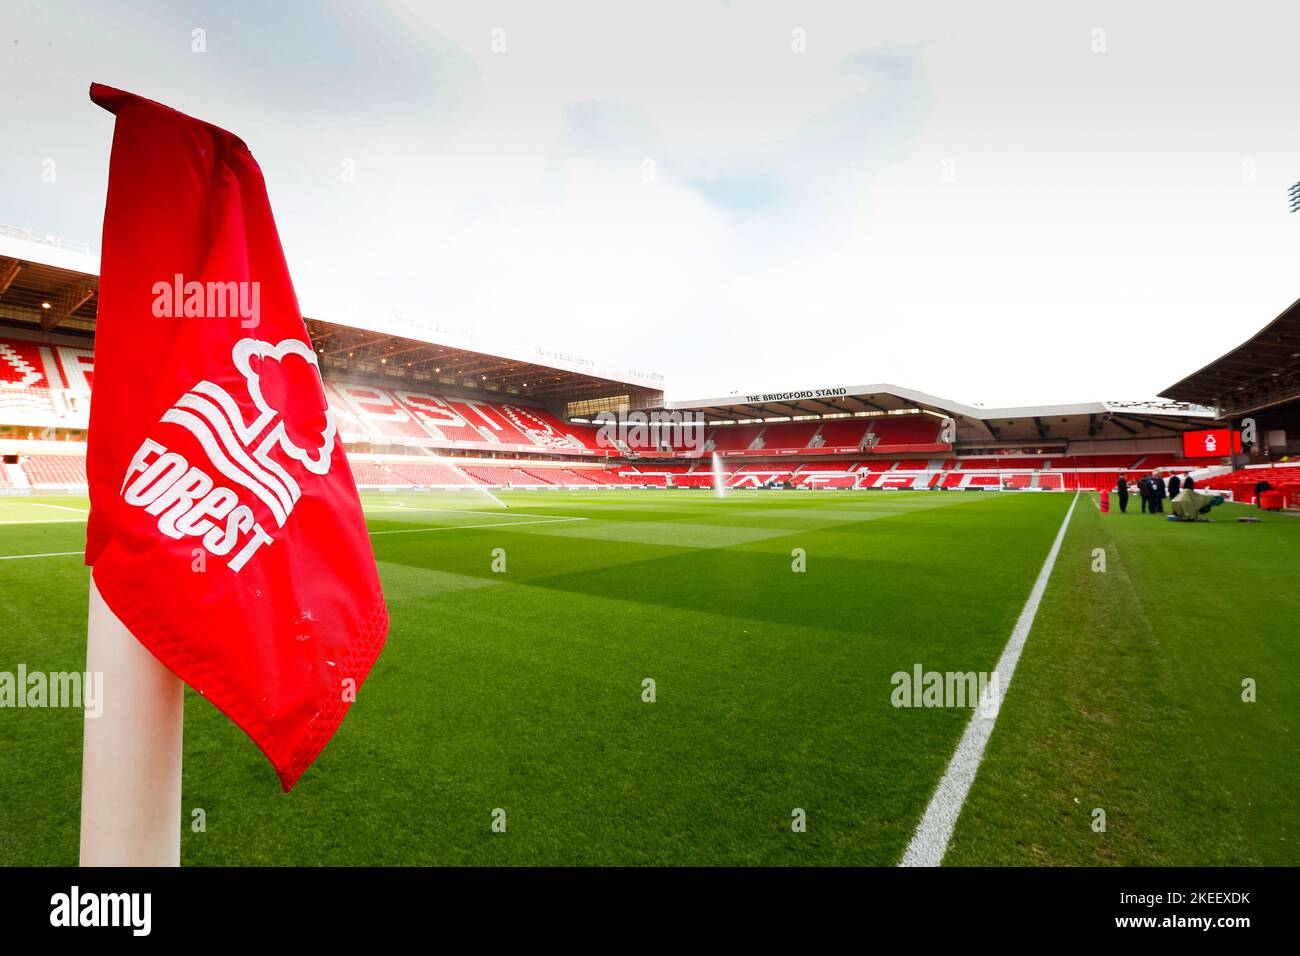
1129 698
523 690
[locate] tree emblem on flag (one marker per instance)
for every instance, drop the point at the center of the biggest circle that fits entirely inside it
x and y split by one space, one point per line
305 428
291 414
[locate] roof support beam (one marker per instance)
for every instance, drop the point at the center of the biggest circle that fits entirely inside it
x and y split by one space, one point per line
358 344
837 409
795 409
66 301
1153 424
8 273
866 401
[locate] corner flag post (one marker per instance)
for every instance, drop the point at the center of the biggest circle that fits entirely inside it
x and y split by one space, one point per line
131 764
278 639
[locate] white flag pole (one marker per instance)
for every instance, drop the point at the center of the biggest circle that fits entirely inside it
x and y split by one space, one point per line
131 764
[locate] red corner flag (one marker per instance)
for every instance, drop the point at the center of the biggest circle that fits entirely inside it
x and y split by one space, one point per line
225 529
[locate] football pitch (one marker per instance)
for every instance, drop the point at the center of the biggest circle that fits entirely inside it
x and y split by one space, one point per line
664 677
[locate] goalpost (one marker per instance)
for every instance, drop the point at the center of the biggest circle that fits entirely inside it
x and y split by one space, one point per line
1051 481
1031 481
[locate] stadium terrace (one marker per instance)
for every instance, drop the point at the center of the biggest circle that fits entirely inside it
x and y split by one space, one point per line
419 413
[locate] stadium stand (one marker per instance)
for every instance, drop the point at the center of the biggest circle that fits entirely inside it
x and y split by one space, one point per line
602 477
693 481
501 476
898 432
1283 478
428 473
734 438
367 413
789 436
843 433
54 471
373 473
447 415
47 386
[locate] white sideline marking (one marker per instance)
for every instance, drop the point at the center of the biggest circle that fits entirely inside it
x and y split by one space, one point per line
41 504
475 527
46 521
51 554
930 841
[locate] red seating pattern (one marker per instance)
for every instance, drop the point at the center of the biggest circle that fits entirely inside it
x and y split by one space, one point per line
905 429
1241 482
429 473
54 470
733 438
367 413
792 435
844 432
44 385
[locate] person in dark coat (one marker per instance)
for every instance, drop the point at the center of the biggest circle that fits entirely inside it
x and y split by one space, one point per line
1175 483
1144 490
1158 493
1121 489
1261 486
1189 483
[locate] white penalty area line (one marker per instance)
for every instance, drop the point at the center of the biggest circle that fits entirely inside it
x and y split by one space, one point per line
930 841
475 527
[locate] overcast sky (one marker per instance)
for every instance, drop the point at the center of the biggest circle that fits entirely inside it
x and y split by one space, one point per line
999 203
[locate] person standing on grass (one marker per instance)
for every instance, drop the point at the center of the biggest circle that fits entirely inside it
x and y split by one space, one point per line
1261 486
1144 490
1174 484
1158 494
1121 489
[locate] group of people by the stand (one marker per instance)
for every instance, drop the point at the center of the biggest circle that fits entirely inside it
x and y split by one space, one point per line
1153 489
1186 503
